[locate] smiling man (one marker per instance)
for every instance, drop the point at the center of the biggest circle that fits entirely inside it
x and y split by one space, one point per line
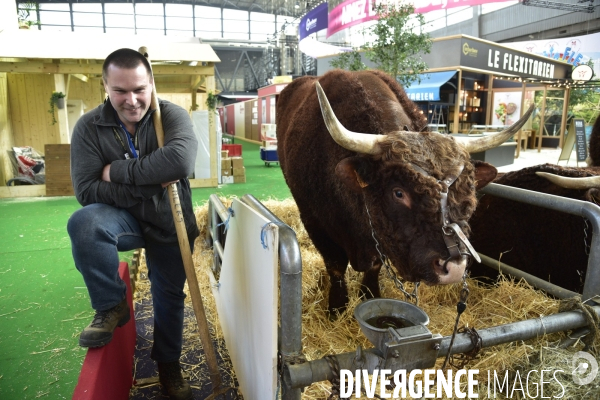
120 177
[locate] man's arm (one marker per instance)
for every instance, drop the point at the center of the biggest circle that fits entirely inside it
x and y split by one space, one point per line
87 165
106 177
174 161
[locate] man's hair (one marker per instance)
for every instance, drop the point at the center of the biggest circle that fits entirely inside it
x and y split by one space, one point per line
127 59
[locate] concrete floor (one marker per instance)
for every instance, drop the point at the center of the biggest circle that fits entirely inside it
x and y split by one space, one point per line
531 157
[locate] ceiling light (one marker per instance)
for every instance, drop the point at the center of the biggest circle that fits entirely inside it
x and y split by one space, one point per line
297 6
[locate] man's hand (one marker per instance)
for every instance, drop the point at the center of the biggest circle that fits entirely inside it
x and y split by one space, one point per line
106 173
164 185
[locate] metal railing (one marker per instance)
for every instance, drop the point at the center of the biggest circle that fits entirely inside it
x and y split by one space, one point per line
584 209
298 373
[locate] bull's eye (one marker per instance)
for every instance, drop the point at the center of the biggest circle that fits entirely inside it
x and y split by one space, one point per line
399 196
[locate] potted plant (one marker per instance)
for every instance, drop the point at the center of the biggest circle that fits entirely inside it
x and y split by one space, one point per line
211 100
24 14
56 99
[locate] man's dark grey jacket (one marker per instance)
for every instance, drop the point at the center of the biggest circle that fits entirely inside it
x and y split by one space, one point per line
136 182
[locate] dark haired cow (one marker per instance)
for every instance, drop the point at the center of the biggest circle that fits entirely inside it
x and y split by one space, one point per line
394 192
548 244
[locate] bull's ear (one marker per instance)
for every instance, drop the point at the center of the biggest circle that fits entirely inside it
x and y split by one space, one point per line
484 173
351 172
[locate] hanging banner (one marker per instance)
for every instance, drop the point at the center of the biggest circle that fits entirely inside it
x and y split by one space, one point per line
575 50
350 13
354 12
314 21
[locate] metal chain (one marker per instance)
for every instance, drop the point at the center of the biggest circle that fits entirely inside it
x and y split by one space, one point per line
461 306
414 295
585 238
460 360
410 296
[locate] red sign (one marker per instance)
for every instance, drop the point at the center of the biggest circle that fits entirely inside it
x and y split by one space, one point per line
350 13
354 12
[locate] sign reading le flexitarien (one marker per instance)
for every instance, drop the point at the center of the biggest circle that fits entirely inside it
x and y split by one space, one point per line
502 60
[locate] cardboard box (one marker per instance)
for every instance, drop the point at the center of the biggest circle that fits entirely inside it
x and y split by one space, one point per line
225 163
227 172
227 179
239 179
224 153
269 144
239 171
268 132
237 162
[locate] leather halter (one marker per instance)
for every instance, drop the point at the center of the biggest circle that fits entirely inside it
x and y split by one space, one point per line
451 232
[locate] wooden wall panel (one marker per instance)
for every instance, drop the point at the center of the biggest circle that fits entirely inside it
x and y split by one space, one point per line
91 92
184 99
29 95
6 136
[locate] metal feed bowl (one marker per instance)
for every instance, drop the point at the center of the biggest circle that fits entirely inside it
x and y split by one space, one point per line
377 308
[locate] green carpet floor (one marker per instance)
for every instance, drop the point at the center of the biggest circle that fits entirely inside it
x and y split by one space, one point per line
44 304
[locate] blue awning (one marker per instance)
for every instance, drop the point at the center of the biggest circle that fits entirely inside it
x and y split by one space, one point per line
429 88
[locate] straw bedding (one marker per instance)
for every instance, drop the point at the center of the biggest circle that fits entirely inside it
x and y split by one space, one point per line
489 305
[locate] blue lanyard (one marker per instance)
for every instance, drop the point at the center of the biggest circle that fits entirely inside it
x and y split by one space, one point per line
131 146
129 141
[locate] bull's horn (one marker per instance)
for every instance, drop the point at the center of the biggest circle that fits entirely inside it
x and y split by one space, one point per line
489 142
354 141
566 182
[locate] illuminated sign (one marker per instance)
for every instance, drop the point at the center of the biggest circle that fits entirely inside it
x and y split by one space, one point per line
582 73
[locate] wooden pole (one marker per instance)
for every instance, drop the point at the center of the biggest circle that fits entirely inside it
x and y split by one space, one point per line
542 119
520 133
455 115
188 263
565 115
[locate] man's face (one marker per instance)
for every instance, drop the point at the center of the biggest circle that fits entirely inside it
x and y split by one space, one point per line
130 92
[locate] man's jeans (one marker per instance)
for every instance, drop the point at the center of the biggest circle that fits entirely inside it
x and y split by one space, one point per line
98 232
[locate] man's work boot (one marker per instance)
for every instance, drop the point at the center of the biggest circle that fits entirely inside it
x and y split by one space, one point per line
172 381
100 331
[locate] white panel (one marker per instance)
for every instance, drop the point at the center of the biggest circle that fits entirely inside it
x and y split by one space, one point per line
202 166
246 299
240 119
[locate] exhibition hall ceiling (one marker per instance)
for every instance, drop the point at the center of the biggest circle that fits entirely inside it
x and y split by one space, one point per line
281 7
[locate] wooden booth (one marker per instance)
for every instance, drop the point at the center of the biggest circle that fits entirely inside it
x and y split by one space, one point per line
474 86
34 64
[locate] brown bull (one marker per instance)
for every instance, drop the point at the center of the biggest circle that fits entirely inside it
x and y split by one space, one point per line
548 244
394 192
